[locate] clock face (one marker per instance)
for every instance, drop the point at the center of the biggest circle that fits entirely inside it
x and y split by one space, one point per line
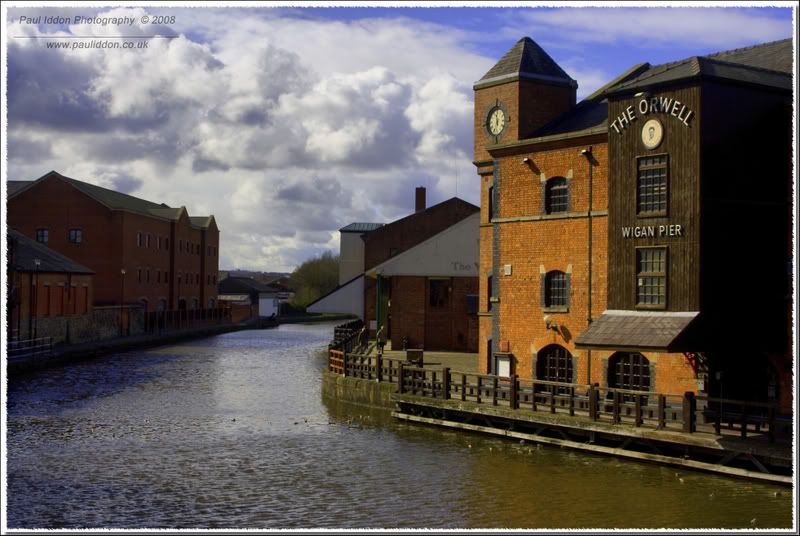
496 121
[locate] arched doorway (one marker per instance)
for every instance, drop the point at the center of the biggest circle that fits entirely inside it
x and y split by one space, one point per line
629 370
554 364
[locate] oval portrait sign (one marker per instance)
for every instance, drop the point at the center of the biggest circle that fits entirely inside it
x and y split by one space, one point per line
652 133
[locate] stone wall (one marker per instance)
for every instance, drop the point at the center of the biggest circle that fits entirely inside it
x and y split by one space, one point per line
358 390
102 323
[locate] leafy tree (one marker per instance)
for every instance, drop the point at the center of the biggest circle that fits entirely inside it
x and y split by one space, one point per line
314 278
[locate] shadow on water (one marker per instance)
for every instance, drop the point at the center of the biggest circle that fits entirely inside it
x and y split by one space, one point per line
233 432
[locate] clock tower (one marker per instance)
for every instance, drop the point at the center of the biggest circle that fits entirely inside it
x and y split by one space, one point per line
525 90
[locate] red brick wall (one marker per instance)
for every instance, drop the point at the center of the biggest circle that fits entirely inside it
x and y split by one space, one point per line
412 319
409 296
407 232
109 244
529 104
57 206
54 294
554 243
139 260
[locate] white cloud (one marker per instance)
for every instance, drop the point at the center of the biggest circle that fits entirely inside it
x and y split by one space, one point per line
285 129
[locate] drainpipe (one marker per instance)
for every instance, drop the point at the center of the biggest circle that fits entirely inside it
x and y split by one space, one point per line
588 154
377 306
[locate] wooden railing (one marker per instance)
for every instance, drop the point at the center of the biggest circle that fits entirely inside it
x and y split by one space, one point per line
744 417
29 348
659 411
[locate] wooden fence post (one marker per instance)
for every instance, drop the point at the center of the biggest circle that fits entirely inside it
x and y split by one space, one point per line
662 412
744 421
514 403
592 402
638 406
617 419
463 387
379 367
400 378
494 391
446 383
689 408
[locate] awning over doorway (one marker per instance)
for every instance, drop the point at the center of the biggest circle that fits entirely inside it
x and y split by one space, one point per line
659 331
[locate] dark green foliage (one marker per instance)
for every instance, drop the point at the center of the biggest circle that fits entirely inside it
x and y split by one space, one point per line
314 278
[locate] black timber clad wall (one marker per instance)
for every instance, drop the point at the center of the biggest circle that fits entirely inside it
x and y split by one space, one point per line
746 215
681 143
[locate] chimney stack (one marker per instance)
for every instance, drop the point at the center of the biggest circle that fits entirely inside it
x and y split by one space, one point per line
420 199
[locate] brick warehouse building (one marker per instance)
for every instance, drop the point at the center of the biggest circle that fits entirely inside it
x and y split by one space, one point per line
685 247
418 273
141 252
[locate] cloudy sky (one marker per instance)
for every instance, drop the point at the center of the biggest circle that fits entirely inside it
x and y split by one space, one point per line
288 123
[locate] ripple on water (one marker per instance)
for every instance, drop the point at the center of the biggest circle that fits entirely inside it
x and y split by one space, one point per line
231 432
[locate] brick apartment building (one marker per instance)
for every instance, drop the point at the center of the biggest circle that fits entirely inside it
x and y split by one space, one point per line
141 252
628 239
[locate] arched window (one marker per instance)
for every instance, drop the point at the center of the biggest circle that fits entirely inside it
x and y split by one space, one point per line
556 195
554 364
162 305
555 289
629 370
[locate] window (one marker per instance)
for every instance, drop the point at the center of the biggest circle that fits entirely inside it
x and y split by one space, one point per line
215 279
490 201
75 236
555 289
651 185
651 277
554 364
138 239
158 242
556 195
166 277
180 245
472 304
629 370
166 243
147 275
439 295
42 235
139 274
147 241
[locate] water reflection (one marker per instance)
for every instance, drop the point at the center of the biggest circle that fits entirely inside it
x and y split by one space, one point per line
232 432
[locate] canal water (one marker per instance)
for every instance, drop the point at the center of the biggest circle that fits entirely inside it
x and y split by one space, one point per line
233 432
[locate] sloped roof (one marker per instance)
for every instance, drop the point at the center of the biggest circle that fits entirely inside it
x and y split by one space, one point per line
240 285
26 251
526 59
201 221
752 65
15 186
647 330
360 227
591 113
776 56
113 199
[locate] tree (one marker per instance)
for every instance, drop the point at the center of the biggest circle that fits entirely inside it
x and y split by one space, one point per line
314 278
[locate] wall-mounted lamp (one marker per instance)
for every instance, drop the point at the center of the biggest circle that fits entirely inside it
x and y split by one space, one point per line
586 152
526 160
550 324
642 94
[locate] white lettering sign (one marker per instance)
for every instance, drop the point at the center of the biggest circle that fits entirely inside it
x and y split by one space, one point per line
663 105
651 231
